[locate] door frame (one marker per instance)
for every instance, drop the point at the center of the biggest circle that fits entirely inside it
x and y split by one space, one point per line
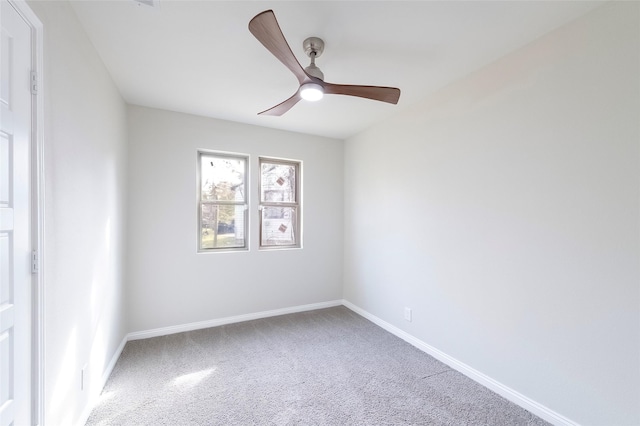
37 212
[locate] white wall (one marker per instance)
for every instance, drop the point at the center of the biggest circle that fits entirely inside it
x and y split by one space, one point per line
169 283
85 166
505 211
519 184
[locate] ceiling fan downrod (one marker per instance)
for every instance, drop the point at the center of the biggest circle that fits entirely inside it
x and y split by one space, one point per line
313 47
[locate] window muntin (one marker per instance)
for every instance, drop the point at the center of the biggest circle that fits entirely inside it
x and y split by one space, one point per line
222 212
279 203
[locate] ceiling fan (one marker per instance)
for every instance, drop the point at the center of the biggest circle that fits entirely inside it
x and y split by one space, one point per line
265 28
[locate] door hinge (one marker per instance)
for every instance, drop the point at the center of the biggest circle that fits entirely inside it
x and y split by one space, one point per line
34 83
34 262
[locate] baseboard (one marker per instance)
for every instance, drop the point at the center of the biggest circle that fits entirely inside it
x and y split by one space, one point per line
112 363
502 390
229 320
93 399
499 388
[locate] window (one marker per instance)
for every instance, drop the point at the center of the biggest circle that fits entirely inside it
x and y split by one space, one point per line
222 204
279 203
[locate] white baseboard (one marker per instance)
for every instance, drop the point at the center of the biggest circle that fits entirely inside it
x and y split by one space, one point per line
112 363
506 392
228 320
502 390
94 397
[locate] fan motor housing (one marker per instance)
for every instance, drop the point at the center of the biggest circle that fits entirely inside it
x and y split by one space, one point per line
313 45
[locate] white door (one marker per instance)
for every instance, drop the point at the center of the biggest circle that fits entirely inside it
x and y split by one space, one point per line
15 219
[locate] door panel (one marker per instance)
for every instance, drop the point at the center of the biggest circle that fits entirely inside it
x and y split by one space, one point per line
15 247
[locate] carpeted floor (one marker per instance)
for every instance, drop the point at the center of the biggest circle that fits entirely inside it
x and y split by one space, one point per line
324 367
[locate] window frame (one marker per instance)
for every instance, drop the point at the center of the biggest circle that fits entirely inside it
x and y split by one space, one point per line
297 205
247 232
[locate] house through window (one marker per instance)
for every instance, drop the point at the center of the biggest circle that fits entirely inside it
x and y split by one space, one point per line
279 203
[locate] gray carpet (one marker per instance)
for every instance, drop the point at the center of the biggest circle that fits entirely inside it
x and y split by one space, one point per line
324 367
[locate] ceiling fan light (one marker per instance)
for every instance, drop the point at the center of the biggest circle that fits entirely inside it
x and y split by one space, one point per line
311 92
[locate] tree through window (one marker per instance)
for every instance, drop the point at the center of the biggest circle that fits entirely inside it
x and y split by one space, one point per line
222 201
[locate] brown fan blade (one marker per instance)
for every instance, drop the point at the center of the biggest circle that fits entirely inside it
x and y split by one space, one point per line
282 107
378 93
265 28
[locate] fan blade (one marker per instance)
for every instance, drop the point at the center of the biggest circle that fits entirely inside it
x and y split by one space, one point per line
265 28
377 93
282 107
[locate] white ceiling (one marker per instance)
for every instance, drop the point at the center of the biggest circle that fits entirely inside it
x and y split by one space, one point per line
199 57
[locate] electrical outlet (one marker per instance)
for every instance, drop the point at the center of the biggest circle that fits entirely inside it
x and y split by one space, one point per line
83 377
407 314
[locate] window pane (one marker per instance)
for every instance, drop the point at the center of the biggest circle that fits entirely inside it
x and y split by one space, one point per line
222 178
278 226
222 226
278 183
